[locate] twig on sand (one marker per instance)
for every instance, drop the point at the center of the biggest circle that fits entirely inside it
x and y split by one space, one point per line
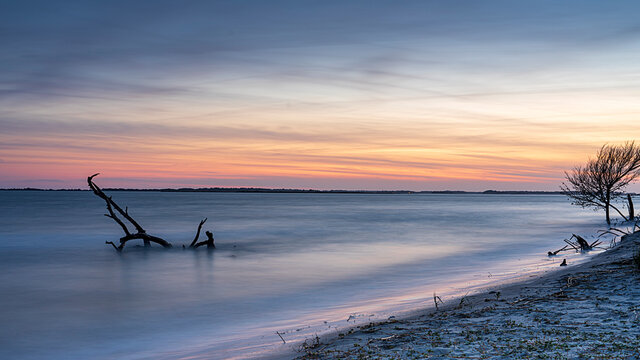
436 300
281 338
463 301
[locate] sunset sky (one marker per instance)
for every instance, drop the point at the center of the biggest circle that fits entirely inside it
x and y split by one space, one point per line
418 95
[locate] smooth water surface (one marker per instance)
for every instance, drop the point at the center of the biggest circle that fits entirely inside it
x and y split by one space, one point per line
298 264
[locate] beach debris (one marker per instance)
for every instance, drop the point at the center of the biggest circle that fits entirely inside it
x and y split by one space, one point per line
584 245
463 301
121 217
437 300
577 243
554 253
209 242
195 239
580 244
281 338
310 346
564 262
619 233
111 206
388 338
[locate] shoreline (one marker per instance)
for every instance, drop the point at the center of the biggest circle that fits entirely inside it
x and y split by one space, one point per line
581 311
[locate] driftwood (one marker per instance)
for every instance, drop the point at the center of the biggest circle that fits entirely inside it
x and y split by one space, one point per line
437 301
128 235
554 253
620 233
564 262
584 245
195 239
579 244
121 217
209 242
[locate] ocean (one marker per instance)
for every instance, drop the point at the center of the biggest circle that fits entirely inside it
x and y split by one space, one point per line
287 266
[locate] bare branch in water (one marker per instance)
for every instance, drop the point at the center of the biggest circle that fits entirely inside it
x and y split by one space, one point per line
111 206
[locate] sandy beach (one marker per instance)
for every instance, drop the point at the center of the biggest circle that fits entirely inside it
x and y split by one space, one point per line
586 311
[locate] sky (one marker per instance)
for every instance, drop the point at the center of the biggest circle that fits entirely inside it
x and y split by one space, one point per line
416 95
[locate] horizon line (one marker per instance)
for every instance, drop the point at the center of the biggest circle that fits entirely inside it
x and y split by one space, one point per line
295 190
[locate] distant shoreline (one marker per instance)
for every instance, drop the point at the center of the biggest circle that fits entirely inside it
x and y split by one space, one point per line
306 191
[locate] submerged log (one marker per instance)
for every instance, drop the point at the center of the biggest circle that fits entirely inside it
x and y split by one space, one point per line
580 244
114 210
195 239
209 242
554 253
584 245
121 217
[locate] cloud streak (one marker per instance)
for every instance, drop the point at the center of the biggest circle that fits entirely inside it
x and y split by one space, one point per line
420 96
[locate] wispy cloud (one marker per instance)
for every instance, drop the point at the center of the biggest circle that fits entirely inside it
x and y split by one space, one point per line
422 95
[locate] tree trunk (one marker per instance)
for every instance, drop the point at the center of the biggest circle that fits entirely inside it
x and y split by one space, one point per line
606 208
631 212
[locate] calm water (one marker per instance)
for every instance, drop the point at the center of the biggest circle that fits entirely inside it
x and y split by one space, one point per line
299 264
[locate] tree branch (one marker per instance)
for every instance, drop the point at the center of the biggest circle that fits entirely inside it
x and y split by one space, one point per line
209 242
96 190
147 237
619 212
113 216
111 206
195 239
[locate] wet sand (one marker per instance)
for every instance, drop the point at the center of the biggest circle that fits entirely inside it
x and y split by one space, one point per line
587 311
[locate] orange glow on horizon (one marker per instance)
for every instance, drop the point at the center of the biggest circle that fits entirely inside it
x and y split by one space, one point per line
503 135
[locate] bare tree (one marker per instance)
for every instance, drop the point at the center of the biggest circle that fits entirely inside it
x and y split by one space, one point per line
602 179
